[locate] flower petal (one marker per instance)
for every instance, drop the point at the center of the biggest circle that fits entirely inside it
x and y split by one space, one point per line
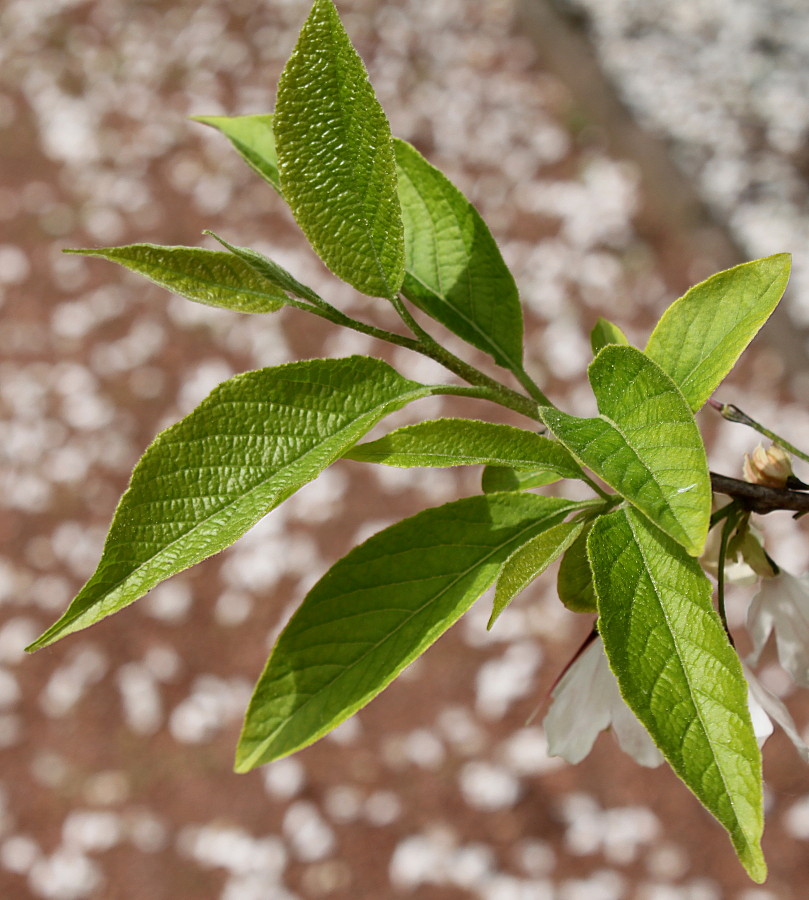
776 710
782 605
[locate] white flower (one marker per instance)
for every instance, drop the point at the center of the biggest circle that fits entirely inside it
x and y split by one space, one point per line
585 702
764 707
782 606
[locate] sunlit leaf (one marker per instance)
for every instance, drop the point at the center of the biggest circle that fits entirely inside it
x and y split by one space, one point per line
677 671
336 160
203 482
645 443
378 609
700 336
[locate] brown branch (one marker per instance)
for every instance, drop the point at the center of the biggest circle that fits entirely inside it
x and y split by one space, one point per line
758 498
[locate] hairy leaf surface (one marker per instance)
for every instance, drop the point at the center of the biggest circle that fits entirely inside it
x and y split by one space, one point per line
336 160
254 139
455 272
678 672
379 608
468 442
700 336
645 444
530 561
212 277
202 483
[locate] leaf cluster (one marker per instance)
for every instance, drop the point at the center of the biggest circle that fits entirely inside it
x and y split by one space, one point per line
387 222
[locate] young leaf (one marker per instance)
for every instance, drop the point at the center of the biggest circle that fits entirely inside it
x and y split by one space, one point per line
530 561
678 672
378 609
645 444
468 442
335 158
574 581
254 139
455 272
700 336
277 275
248 446
212 277
496 479
604 333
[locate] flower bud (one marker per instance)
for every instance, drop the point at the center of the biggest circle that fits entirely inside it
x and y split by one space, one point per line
771 467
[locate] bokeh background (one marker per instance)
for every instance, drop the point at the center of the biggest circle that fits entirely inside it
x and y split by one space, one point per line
620 152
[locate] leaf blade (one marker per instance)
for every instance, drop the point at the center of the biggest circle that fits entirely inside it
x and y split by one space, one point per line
205 481
645 443
700 336
402 589
254 139
211 277
454 270
467 442
335 158
677 671
529 561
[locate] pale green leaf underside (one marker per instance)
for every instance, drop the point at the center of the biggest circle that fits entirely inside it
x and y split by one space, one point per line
645 444
467 442
501 478
574 581
205 481
336 160
530 561
700 336
378 609
455 272
604 333
253 138
678 672
212 277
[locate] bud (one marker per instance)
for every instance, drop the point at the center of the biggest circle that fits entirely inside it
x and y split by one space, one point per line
771 467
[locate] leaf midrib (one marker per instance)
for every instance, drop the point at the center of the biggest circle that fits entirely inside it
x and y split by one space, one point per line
691 689
118 585
389 635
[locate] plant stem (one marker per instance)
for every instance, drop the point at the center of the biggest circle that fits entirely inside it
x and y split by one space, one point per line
759 498
330 313
497 394
734 414
730 523
430 347
531 387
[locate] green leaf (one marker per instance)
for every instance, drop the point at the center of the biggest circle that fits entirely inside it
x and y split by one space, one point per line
254 139
212 277
378 609
700 336
335 158
468 442
499 478
530 561
455 272
677 671
277 275
205 481
604 333
574 581
645 444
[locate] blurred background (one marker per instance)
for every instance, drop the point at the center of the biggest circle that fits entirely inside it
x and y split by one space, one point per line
620 152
